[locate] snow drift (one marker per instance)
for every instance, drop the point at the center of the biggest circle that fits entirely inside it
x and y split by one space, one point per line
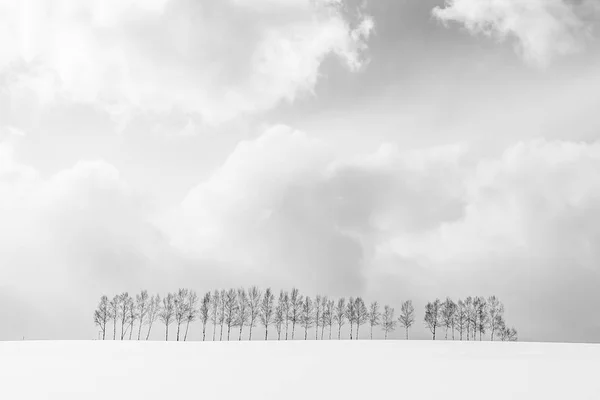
298 370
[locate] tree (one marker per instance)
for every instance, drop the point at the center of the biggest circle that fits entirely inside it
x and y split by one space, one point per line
266 311
306 319
254 300
447 312
124 304
102 315
243 310
470 315
279 317
481 316
374 316
329 315
318 315
388 322
205 310
340 315
508 334
154 308
191 311
407 316
286 311
230 310
495 311
351 314
323 317
222 296
295 309
133 316
362 314
461 318
167 313
113 308
432 316
180 308
142 301
215 300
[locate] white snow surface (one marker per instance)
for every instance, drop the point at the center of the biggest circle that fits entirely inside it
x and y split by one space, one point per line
298 370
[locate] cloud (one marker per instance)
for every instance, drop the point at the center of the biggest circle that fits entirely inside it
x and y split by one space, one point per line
212 60
543 29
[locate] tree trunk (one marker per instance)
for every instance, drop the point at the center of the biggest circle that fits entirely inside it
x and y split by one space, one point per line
187 326
240 335
167 333
140 330
329 332
214 331
322 331
339 332
228 331
371 332
293 328
407 333
266 332
446 337
250 335
149 328
221 336
115 329
131 331
351 329
385 338
357 329
286 329
178 327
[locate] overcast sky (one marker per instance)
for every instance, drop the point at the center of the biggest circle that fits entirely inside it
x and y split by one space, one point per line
392 149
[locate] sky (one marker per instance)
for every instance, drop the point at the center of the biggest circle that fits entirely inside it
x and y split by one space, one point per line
389 149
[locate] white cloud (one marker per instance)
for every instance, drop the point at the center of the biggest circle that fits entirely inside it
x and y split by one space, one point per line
543 29
217 60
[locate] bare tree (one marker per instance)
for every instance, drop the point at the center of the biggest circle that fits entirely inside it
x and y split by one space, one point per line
180 308
388 321
362 314
351 314
230 310
215 300
461 318
243 310
286 311
432 316
102 315
481 316
340 315
374 316
279 317
323 317
495 311
254 301
154 307
407 316
167 313
329 315
296 302
205 310
447 312
142 301
133 316
114 313
124 305
222 297
306 318
470 315
508 334
191 311
266 311
318 315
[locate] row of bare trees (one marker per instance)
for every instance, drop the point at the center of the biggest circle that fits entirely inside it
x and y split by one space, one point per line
469 317
235 309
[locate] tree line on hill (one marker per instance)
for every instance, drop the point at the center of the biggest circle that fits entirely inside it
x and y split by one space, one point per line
228 311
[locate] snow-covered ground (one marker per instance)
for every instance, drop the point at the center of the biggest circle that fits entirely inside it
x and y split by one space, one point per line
298 370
